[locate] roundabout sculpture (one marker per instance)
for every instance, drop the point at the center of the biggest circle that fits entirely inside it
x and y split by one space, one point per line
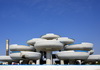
51 49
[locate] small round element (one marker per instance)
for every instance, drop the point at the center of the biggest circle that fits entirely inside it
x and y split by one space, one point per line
50 36
91 52
65 40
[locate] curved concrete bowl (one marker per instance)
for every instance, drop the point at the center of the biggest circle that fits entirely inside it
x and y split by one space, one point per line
25 55
6 58
66 55
48 45
65 40
16 56
21 48
32 41
31 55
50 36
83 46
94 58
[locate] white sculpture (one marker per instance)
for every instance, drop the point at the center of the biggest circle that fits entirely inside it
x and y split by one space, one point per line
41 50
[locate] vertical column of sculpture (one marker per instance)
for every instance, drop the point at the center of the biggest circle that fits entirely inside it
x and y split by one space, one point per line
7 47
38 61
48 57
49 36
61 62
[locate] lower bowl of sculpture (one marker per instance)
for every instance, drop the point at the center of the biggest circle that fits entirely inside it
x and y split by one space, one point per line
71 55
6 58
31 55
25 55
94 58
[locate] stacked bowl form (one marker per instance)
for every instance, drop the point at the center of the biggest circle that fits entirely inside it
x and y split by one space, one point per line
72 55
49 43
26 52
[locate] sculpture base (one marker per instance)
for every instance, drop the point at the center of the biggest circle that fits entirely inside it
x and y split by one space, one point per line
49 67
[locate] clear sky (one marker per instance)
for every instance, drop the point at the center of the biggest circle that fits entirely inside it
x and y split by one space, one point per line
21 20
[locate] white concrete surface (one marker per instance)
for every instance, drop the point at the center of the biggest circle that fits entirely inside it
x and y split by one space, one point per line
49 67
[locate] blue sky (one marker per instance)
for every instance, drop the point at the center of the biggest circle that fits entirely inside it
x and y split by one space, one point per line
21 20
